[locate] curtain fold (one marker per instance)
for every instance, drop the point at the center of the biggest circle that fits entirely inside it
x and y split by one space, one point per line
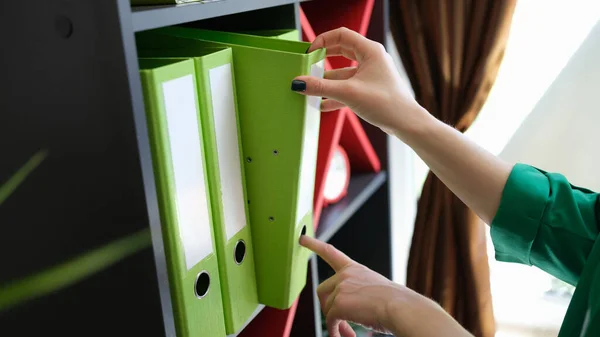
451 51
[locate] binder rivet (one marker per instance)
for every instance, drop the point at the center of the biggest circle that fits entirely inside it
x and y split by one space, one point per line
239 252
275 152
202 284
249 159
63 26
271 219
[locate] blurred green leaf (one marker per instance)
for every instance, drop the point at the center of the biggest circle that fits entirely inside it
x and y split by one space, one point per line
72 271
69 272
17 179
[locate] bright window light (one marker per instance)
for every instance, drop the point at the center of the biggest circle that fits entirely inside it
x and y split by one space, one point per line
544 35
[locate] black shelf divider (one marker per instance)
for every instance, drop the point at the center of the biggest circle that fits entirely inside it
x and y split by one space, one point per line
150 17
361 187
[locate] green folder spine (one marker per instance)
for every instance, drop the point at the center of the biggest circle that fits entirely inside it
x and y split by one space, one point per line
238 279
280 149
283 34
239 282
171 107
222 139
160 2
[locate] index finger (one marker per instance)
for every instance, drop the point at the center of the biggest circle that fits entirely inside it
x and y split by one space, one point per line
343 41
334 257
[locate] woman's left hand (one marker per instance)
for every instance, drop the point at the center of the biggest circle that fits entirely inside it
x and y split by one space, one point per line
357 294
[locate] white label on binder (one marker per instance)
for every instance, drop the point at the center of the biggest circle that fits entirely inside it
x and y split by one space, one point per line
310 143
188 169
230 170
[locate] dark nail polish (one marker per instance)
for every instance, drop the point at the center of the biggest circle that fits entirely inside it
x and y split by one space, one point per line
298 85
306 52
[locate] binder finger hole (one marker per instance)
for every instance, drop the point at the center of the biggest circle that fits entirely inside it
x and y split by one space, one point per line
239 252
202 284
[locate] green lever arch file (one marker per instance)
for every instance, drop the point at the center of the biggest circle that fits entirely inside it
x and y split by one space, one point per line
171 102
227 180
222 139
280 131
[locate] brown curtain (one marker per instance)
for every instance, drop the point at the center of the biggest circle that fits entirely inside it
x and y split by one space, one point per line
451 50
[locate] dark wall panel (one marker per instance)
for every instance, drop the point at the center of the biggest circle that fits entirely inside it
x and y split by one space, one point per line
64 90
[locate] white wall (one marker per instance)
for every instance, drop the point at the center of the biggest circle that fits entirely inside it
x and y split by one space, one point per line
544 36
562 133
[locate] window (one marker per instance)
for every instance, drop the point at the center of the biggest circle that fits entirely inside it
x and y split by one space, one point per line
544 35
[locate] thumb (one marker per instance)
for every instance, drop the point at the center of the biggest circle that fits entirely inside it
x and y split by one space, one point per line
314 86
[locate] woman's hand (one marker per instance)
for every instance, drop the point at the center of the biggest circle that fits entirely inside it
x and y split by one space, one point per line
375 92
357 294
373 89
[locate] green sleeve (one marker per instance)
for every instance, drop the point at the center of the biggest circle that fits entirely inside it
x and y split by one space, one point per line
546 222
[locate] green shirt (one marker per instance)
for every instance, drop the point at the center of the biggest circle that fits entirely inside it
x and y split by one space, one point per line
546 222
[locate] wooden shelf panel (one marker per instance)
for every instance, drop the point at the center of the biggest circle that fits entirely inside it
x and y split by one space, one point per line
360 189
150 17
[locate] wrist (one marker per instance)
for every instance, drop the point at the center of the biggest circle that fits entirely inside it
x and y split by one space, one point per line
396 311
413 315
414 125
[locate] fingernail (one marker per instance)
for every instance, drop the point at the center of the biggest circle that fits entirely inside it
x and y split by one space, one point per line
306 52
298 85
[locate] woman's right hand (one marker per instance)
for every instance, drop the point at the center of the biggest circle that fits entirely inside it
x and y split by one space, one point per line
373 90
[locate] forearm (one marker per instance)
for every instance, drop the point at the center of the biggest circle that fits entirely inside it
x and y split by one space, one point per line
476 176
417 316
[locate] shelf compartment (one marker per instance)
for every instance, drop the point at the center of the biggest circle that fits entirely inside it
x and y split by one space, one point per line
150 17
360 189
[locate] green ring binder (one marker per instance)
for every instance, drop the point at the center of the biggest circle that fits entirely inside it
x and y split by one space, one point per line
271 117
180 169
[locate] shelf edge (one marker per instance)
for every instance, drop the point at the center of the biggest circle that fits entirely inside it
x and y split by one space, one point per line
151 17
